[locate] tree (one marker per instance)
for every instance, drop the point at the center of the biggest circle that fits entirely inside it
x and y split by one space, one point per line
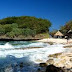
2 30
24 25
66 27
17 31
27 32
7 27
39 24
10 34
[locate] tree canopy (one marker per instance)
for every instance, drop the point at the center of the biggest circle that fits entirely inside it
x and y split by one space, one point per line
66 27
23 25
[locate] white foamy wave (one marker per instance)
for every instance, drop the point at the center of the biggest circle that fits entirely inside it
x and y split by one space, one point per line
36 44
6 46
34 54
43 53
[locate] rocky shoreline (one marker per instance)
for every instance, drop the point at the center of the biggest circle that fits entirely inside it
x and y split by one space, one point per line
42 67
52 68
16 39
60 62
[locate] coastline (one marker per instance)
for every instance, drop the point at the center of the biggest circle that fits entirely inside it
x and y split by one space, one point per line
64 59
56 40
42 56
17 39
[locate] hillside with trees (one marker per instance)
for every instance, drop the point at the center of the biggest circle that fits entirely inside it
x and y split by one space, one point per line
23 26
68 26
64 29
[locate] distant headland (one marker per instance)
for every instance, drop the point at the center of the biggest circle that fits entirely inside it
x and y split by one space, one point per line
24 28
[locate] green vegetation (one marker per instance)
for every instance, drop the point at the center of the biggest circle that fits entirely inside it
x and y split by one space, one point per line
68 26
64 29
24 26
45 35
53 32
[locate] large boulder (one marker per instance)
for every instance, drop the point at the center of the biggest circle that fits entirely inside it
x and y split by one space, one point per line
52 68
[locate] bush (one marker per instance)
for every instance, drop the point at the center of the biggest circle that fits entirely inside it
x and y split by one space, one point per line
8 28
17 31
10 34
26 32
2 30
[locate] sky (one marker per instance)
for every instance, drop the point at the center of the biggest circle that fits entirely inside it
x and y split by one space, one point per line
57 11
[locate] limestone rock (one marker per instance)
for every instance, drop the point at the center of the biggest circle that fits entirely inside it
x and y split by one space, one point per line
61 60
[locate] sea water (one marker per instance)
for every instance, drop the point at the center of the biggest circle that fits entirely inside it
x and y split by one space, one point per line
30 53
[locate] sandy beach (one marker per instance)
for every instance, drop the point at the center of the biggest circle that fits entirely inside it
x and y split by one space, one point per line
56 40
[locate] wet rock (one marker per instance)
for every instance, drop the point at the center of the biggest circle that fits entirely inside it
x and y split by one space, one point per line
39 61
2 70
71 60
55 55
51 43
21 65
50 61
69 46
38 70
41 69
42 64
9 69
52 68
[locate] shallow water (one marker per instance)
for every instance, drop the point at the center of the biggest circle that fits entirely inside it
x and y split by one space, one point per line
12 54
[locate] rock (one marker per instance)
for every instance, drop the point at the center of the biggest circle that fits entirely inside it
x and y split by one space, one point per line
39 61
21 65
8 69
52 68
71 60
55 55
38 70
60 60
69 46
42 64
50 61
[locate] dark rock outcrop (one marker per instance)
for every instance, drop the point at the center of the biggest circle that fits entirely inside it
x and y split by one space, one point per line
21 65
52 68
42 64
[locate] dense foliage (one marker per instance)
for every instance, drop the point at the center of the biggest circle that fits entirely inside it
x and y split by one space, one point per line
66 27
24 25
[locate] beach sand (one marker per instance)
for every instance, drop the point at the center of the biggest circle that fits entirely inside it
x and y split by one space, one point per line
56 40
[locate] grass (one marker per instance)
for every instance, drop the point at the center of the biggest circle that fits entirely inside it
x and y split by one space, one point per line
42 35
45 35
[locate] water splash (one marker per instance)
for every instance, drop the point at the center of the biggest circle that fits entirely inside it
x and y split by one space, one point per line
6 46
33 55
